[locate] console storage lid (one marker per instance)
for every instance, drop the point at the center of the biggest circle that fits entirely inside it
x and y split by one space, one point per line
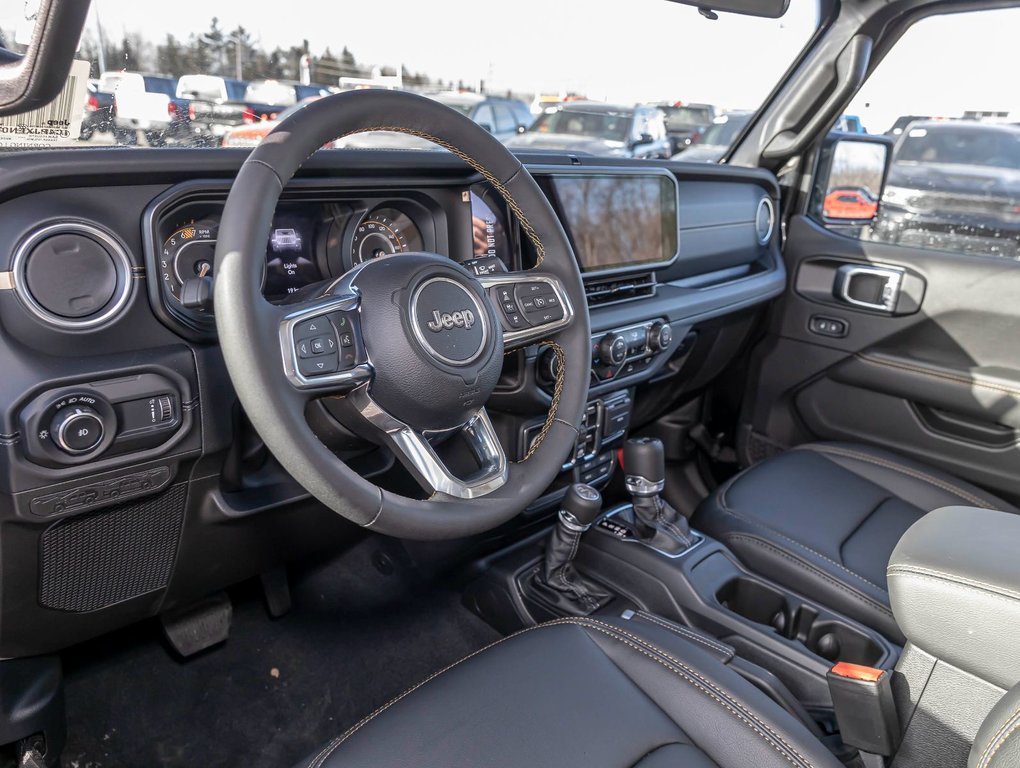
954 585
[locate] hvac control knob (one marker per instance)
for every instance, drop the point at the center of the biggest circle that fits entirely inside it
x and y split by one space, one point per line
660 336
613 349
77 429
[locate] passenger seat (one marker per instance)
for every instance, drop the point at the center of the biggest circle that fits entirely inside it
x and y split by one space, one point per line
823 519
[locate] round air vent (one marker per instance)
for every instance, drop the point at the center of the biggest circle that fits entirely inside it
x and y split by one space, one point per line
765 220
72 275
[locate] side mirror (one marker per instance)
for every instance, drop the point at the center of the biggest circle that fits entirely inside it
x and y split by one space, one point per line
644 138
33 79
849 178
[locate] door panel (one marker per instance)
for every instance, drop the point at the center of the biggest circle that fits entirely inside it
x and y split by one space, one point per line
937 377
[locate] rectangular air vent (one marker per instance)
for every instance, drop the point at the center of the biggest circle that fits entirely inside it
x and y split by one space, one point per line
609 290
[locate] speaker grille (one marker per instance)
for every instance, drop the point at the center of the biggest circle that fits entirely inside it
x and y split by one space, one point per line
96 560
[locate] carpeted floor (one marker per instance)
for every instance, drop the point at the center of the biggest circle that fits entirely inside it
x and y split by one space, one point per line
278 689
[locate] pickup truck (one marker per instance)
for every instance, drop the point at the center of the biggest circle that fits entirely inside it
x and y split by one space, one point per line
147 103
258 101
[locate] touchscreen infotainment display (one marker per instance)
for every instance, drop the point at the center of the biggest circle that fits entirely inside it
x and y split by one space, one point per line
618 220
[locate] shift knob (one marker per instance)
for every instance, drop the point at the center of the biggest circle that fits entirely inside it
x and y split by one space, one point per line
582 503
645 457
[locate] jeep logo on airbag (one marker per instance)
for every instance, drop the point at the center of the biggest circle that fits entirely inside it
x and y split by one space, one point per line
463 318
449 321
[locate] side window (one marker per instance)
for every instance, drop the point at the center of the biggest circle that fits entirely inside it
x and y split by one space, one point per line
954 178
484 116
505 122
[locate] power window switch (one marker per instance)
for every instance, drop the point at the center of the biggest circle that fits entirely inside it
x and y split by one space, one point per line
832 327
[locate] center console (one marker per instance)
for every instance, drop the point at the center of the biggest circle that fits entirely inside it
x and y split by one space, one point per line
642 557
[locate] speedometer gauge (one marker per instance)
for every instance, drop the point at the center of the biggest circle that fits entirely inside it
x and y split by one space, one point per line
187 253
382 232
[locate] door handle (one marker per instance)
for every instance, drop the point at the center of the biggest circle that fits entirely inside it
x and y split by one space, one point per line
869 287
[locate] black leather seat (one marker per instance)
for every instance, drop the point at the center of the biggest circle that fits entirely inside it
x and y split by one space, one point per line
581 693
823 519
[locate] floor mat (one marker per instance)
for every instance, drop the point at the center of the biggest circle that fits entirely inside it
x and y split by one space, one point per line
277 689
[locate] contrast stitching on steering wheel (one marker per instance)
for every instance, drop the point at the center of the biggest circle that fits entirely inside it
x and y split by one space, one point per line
557 394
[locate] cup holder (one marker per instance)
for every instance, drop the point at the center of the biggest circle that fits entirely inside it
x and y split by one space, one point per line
825 636
756 602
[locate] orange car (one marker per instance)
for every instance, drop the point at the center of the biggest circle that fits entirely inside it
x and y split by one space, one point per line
849 203
252 135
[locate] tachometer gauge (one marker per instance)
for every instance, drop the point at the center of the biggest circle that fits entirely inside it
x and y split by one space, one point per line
187 253
382 232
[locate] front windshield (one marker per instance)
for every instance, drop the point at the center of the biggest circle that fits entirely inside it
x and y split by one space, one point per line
722 133
960 146
198 74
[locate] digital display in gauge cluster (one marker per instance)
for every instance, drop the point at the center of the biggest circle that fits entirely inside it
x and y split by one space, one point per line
489 229
290 256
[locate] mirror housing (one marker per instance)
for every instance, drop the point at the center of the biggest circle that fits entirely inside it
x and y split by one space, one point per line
849 178
769 9
33 79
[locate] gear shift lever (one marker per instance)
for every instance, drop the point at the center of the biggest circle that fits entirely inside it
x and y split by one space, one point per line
657 524
558 582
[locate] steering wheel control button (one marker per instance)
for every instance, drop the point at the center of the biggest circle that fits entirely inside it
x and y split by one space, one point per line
539 303
449 321
77 430
323 344
304 348
319 365
309 328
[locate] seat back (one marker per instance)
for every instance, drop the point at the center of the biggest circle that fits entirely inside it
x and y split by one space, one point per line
997 744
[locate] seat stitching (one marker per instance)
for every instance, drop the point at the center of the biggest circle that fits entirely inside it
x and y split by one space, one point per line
726 508
986 757
684 632
952 577
685 672
554 405
923 476
319 760
856 528
813 569
998 734
970 381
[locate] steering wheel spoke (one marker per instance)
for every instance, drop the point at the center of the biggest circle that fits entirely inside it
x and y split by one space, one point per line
322 346
531 306
417 452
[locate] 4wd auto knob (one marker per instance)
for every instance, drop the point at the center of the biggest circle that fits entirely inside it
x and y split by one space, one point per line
613 349
77 429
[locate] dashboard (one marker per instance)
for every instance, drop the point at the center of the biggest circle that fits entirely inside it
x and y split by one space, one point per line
120 434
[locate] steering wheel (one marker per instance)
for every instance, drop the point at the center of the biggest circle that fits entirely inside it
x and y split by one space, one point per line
410 346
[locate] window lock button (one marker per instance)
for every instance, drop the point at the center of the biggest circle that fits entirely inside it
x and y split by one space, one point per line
833 327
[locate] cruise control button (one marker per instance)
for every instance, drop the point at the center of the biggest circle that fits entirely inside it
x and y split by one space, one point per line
529 290
319 365
516 320
317 326
547 315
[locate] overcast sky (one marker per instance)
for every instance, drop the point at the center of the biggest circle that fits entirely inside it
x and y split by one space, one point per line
628 50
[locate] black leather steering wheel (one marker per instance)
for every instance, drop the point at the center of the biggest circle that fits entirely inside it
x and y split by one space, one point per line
410 345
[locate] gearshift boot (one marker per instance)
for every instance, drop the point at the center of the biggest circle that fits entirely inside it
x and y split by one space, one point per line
656 523
558 583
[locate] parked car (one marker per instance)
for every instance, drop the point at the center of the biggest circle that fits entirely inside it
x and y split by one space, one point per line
850 203
599 129
902 122
685 123
954 184
257 102
208 97
849 124
147 103
500 116
98 116
716 139
252 134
